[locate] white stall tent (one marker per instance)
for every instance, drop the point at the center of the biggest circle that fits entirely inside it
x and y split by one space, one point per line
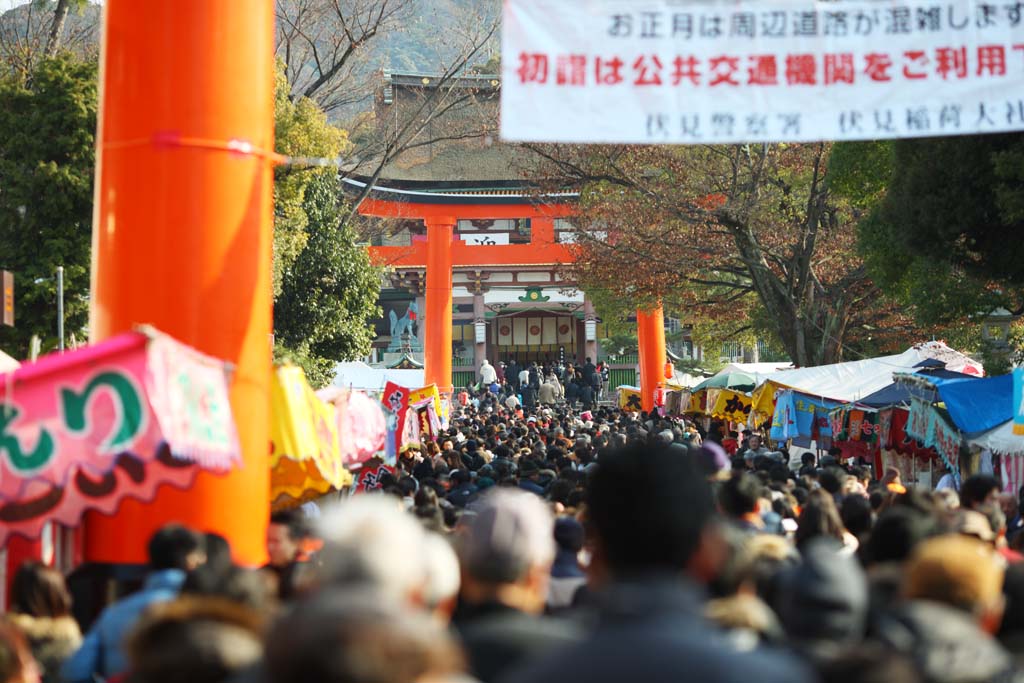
359 375
853 380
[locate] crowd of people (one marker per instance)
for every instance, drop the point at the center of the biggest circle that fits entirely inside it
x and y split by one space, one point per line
546 545
512 386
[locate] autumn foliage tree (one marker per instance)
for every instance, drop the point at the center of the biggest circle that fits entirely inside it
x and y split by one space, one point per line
741 237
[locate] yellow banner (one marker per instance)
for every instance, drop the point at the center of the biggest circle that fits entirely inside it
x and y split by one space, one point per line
429 391
731 405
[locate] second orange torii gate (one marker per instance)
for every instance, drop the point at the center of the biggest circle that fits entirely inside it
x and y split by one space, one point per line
440 252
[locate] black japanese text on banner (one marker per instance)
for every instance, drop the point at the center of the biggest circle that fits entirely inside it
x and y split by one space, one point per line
649 71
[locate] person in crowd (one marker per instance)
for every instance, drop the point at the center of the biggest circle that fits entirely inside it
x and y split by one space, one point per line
512 371
530 476
360 637
525 390
1011 628
548 393
567 576
589 370
464 489
247 587
572 391
731 443
755 447
651 514
41 610
947 480
174 550
194 639
953 604
586 391
808 466
512 402
371 544
979 490
740 499
819 517
441 592
823 602
735 605
506 550
488 375
285 535
16 662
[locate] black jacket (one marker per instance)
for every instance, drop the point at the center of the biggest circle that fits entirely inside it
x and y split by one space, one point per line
946 644
653 632
499 638
462 495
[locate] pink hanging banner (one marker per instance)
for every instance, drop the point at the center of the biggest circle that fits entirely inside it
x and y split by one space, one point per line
85 429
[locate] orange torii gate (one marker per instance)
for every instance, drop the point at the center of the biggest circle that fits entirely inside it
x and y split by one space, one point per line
440 252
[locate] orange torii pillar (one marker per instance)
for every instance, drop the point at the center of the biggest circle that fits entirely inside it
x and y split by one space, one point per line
437 343
182 233
650 332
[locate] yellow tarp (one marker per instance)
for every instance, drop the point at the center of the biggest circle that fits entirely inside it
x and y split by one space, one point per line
303 431
763 399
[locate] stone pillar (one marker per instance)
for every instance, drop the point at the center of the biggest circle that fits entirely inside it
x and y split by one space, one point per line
437 346
480 343
650 330
589 330
182 231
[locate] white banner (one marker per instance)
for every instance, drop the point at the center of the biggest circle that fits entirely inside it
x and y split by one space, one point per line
483 239
663 71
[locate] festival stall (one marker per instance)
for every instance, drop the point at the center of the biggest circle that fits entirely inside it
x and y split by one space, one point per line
851 381
824 405
629 398
726 395
85 430
969 418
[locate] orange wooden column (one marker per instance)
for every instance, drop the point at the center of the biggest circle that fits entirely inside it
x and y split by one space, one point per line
182 232
437 344
650 331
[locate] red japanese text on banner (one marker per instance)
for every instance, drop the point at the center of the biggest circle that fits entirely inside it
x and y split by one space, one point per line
727 72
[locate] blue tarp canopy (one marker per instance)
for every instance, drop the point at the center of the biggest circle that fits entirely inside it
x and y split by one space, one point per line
980 404
899 393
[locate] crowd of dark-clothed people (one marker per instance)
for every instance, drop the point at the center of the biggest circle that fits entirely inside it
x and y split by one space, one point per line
551 546
549 383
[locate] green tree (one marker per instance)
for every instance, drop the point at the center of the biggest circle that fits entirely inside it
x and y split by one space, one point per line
328 293
738 239
939 238
325 289
47 129
300 129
